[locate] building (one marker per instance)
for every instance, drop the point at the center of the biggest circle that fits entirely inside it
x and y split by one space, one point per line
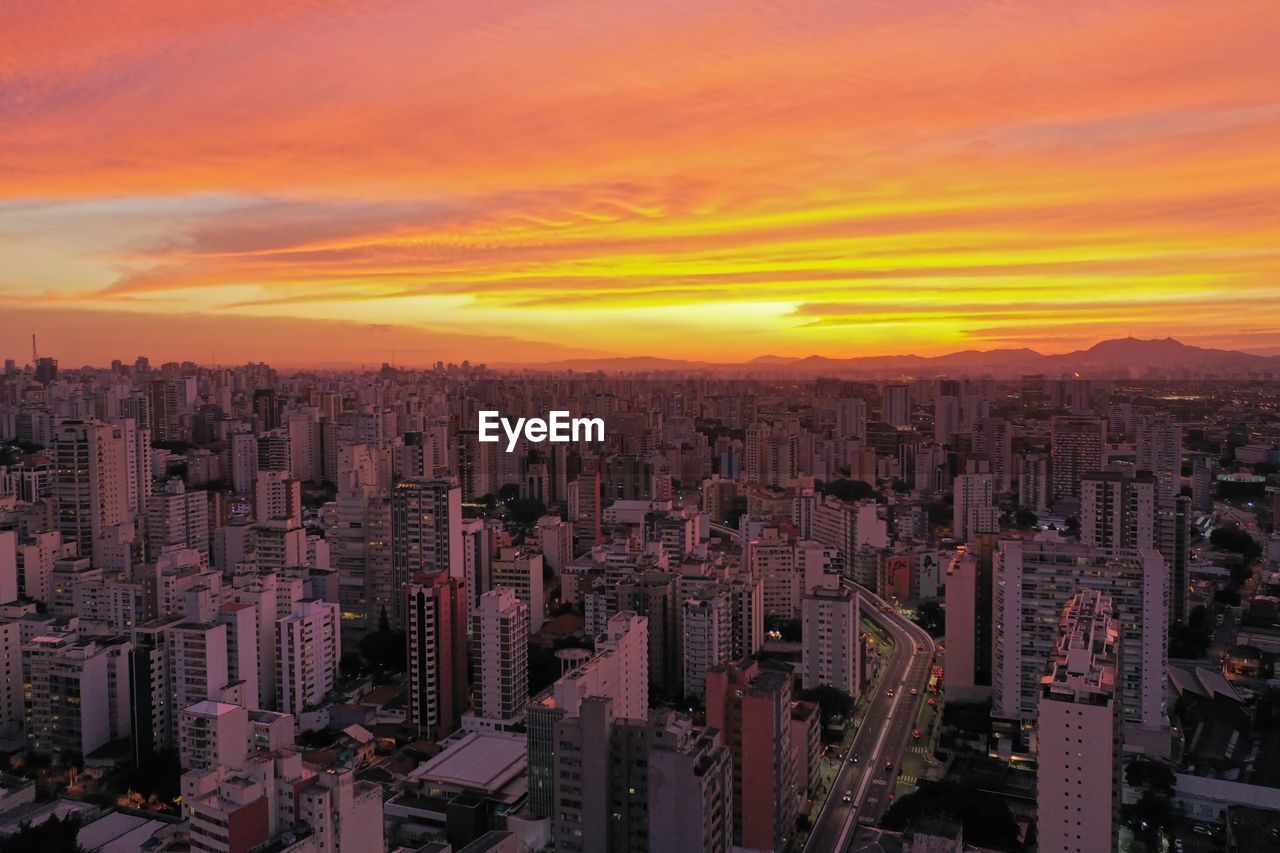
500 656
91 483
436 634
308 648
831 645
1118 511
177 517
896 406
1078 781
1034 484
1034 580
212 734
619 669
76 691
277 497
752 710
1078 446
650 784
707 618
975 509
426 534
656 597
520 570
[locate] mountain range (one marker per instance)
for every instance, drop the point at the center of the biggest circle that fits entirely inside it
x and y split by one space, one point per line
1119 358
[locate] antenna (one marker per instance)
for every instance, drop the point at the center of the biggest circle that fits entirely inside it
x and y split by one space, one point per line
35 356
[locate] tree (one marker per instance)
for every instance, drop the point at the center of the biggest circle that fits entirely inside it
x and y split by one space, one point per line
1145 773
831 702
1237 541
986 819
1024 519
849 490
932 618
1228 595
527 511
55 835
384 649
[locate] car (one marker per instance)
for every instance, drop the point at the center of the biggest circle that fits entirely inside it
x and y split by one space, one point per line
915 692
1177 844
1201 829
919 647
932 701
888 766
853 759
889 692
891 796
848 797
915 733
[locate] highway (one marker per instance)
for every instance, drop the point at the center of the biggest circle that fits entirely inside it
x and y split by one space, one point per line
884 734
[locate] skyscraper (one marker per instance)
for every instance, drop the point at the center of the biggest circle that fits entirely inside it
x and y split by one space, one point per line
90 482
500 656
1034 580
752 709
1078 780
1078 446
436 634
831 645
426 534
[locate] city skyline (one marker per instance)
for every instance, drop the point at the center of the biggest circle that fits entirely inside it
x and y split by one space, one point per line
340 183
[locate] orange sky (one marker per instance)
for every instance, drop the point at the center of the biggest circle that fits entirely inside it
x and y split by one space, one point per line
513 181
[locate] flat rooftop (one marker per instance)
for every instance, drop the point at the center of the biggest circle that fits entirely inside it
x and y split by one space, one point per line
479 761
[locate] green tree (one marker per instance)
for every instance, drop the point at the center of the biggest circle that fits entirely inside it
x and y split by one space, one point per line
55 835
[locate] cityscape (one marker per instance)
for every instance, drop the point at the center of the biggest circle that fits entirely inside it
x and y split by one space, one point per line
248 609
600 426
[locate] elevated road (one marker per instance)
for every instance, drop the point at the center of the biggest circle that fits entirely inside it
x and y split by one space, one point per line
884 735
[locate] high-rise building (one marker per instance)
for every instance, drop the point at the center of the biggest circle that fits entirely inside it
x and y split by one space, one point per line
650 784
851 418
277 497
1079 737
308 648
500 656
436 634
1034 580
1078 446
707 617
896 406
1034 485
752 710
76 692
426 534
212 734
830 642
656 597
974 506
1118 511
520 570
177 517
91 489
619 669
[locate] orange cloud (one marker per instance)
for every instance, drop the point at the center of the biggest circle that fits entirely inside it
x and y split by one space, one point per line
702 179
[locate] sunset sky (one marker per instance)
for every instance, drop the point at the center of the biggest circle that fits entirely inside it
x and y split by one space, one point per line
350 182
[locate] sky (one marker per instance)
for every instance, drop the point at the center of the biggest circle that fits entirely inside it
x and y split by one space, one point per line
357 181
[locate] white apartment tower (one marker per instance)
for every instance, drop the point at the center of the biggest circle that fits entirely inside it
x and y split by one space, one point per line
831 647
1079 736
500 656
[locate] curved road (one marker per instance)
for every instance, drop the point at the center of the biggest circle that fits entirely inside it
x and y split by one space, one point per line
885 732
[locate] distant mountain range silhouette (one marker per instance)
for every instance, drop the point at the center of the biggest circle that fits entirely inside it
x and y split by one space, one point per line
1119 358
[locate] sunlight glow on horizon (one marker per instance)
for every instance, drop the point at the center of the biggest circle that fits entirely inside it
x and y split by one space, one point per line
709 180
